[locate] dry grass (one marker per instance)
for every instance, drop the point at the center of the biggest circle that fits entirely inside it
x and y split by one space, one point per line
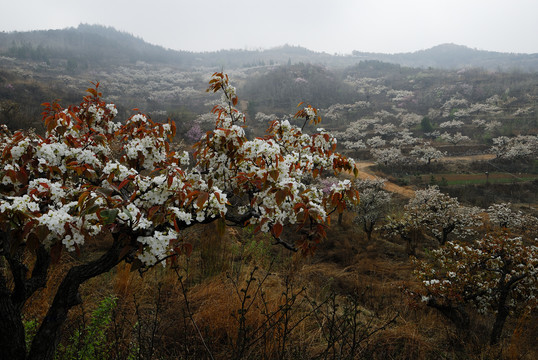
348 278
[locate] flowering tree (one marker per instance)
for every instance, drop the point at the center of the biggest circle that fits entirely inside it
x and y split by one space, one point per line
373 205
376 142
426 153
435 213
194 133
454 139
91 177
519 147
352 145
385 129
451 124
442 215
504 217
391 156
404 137
496 274
409 120
407 227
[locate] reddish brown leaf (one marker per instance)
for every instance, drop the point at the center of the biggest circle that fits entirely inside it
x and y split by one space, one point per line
277 229
280 196
203 196
123 183
152 210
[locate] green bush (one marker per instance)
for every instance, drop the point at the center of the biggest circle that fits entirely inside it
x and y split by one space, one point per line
90 341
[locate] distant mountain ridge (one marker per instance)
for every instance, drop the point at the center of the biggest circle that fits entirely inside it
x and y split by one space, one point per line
452 56
95 45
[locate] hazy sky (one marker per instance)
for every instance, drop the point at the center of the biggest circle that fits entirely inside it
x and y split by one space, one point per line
333 26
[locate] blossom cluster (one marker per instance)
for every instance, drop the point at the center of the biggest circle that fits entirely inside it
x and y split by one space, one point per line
272 169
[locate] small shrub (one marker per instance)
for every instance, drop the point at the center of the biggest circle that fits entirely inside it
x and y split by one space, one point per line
90 341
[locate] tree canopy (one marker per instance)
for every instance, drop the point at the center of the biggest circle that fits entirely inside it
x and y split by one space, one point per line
91 177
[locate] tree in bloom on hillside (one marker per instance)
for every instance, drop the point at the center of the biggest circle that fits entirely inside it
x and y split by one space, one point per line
453 124
442 215
426 153
376 142
519 147
92 177
454 139
373 205
502 216
433 212
354 145
497 274
404 137
391 156
194 133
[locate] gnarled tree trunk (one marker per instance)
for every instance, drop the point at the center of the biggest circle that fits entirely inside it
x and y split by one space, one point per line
44 343
48 336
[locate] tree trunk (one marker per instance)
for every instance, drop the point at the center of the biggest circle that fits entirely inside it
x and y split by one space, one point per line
410 244
13 298
12 343
48 336
368 230
446 231
500 319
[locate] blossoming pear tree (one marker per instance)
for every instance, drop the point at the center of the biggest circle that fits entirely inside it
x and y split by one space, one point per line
90 177
497 274
373 206
501 215
425 153
442 215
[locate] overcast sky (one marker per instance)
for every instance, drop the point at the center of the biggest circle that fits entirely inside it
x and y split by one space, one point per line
333 26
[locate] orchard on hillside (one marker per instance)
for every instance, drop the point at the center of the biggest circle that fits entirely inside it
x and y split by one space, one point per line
91 177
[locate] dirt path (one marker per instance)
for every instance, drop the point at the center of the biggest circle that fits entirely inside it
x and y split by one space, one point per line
469 158
366 173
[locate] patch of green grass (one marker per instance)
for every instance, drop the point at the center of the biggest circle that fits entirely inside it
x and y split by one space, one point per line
491 181
441 179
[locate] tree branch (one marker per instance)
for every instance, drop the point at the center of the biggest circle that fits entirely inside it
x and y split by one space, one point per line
39 273
17 268
287 245
240 219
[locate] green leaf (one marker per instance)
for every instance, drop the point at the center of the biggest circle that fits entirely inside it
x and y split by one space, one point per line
109 216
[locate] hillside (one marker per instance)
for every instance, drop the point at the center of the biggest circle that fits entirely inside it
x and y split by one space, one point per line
418 269
88 46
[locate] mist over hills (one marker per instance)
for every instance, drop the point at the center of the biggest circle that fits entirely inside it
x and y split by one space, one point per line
89 46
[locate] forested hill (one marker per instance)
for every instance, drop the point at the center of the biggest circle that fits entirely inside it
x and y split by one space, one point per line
94 45
86 45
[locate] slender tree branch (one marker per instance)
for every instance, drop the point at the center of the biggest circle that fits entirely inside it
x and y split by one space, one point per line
287 245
